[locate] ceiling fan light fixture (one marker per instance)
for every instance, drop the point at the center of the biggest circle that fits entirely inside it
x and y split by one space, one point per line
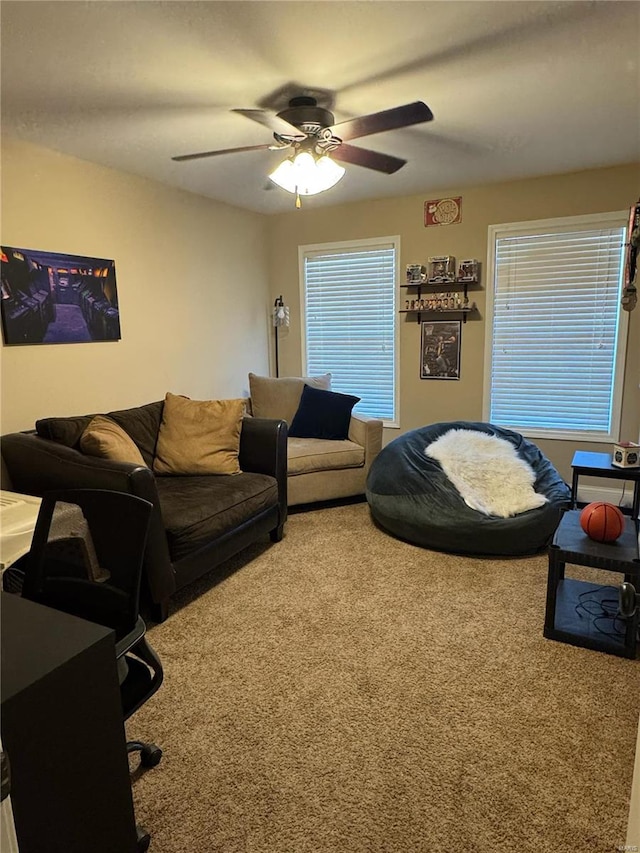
328 171
304 174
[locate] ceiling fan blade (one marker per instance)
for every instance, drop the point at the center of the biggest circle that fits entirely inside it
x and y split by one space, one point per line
202 154
396 117
273 122
369 159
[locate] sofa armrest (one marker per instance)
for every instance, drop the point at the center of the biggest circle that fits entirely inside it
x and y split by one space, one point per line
37 465
263 450
367 432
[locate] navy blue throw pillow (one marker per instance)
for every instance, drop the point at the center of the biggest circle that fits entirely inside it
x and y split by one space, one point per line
322 414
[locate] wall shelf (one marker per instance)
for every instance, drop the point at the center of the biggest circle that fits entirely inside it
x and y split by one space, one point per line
465 311
422 288
431 284
451 290
446 286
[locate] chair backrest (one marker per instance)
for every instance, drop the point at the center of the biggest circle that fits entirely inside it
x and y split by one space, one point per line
86 555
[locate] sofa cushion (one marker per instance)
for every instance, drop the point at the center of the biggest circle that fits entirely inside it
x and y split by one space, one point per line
105 439
199 436
196 510
65 431
305 455
323 414
279 398
142 423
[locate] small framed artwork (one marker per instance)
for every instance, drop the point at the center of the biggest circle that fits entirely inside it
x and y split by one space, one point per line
443 211
440 349
442 268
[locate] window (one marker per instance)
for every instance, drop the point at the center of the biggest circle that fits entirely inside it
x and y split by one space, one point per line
554 358
350 322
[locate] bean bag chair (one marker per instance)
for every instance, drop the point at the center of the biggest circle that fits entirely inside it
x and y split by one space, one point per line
414 490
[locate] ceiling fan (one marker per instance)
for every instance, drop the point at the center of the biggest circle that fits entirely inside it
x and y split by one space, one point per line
306 126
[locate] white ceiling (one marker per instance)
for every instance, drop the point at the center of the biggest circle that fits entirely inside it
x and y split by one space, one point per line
517 88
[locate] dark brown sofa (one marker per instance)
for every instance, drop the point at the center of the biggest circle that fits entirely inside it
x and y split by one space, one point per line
198 522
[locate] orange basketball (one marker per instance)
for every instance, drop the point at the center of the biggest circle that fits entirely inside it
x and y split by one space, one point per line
602 522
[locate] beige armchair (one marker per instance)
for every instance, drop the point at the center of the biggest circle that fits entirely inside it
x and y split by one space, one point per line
317 469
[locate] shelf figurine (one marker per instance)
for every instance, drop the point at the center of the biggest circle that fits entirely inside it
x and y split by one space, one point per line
416 273
442 268
468 270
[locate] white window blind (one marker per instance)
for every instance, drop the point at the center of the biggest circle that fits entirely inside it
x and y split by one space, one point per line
555 356
350 321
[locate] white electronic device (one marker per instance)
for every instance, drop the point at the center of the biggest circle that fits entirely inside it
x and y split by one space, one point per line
626 454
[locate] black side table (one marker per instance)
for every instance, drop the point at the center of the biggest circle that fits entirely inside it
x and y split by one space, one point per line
599 465
566 617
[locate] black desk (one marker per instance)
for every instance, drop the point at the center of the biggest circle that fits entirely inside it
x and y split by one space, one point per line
577 627
599 465
63 731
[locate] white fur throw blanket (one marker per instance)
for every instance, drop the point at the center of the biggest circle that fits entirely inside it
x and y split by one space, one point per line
487 471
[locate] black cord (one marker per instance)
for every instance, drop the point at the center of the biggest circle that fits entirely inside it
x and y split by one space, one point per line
624 487
616 632
601 609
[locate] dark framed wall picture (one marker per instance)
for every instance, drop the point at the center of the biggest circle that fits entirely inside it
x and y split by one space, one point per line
440 350
50 298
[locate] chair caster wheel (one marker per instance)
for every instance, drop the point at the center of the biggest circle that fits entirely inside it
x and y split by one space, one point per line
143 839
150 755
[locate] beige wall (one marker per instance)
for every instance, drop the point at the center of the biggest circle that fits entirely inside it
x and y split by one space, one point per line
192 287
422 401
196 281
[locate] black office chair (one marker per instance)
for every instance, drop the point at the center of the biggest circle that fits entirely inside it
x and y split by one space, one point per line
86 560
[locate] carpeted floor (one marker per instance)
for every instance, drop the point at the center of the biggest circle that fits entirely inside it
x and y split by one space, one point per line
345 692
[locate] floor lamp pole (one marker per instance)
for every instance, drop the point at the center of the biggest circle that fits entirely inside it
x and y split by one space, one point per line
280 318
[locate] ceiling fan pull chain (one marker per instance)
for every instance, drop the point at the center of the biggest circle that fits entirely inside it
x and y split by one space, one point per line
298 202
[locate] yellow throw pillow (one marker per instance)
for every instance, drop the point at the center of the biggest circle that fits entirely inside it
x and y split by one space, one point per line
105 439
199 436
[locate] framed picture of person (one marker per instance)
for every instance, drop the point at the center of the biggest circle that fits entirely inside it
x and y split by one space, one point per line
440 349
